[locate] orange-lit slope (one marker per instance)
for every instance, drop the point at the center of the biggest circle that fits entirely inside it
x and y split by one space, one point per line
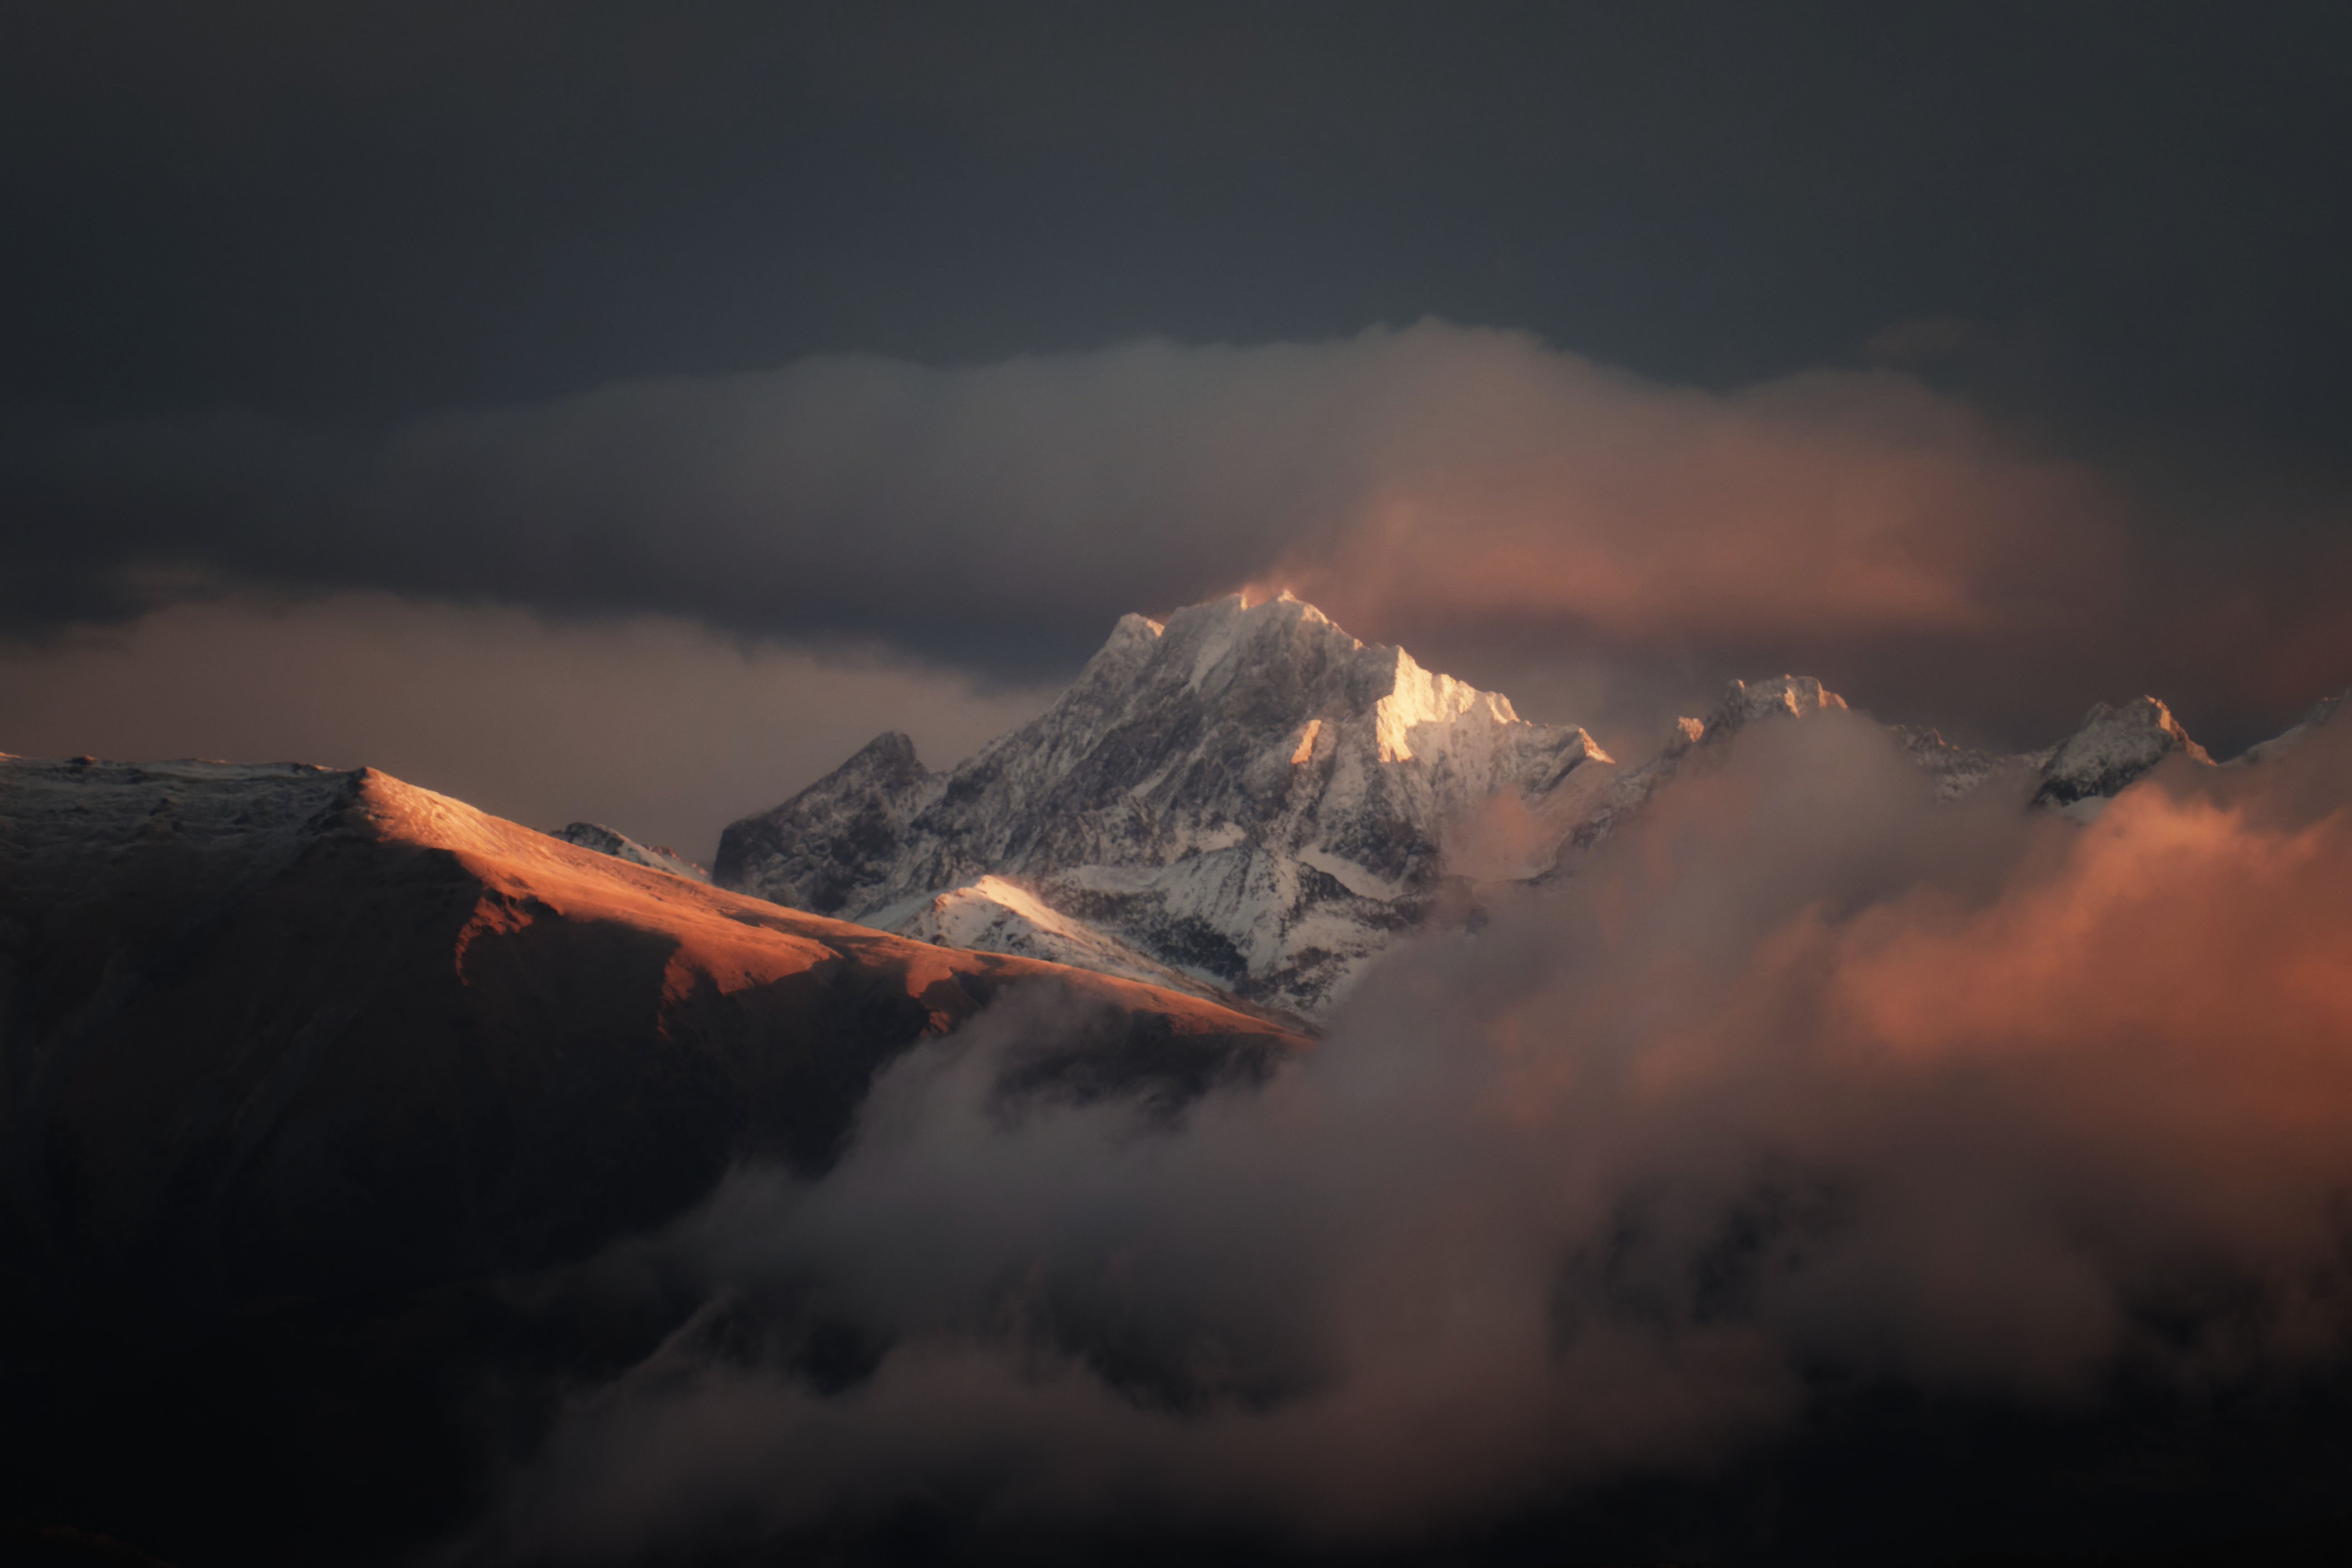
279 1031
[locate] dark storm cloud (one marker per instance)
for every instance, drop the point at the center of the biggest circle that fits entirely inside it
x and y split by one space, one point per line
396 207
249 239
1473 494
1416 478
1806 1080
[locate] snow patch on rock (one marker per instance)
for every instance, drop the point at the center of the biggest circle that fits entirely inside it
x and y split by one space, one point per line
621 847
997 915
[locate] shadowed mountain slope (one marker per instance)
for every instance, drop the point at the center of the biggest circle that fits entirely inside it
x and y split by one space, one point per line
280 1045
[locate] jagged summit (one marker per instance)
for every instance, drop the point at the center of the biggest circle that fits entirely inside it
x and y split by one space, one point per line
1960 769
827 849
1583 811
1244 791
2110 749
1783 696
1793 695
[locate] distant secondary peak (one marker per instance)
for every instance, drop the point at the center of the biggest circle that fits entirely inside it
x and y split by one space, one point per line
592 835
2313 719
2110 748
605 840
1686 732
2143 717
1795 695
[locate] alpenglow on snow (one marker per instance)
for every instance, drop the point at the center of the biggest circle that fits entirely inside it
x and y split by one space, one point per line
1246 800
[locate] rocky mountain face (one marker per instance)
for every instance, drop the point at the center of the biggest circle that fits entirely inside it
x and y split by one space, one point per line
1247 794
302 1071
2113 747
1250 801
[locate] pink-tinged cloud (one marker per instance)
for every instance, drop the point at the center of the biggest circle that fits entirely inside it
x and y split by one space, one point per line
650 724
1803 1077
1498 478
1488 500
1399 478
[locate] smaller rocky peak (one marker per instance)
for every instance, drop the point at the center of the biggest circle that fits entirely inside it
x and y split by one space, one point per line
1783 697
1925 747
1955 770
1794 696
885 769
1686 732
819 849
2111 749
2313 720
592 835
1743 703
605 840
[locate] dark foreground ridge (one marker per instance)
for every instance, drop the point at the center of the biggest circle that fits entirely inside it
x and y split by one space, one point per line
317 1085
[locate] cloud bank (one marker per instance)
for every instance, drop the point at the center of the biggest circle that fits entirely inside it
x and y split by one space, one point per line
1805 1084
1414 482
651 724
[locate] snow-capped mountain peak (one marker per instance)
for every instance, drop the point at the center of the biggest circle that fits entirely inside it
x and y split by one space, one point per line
1245 796
1244 791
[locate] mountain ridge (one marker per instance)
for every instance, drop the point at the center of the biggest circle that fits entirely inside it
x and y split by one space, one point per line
285 961
317 1088
1249 796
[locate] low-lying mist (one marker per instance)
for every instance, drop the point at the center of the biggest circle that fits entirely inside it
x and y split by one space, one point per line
1802 1084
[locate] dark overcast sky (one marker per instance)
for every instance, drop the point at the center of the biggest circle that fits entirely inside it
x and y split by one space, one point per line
262 258
2139 207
